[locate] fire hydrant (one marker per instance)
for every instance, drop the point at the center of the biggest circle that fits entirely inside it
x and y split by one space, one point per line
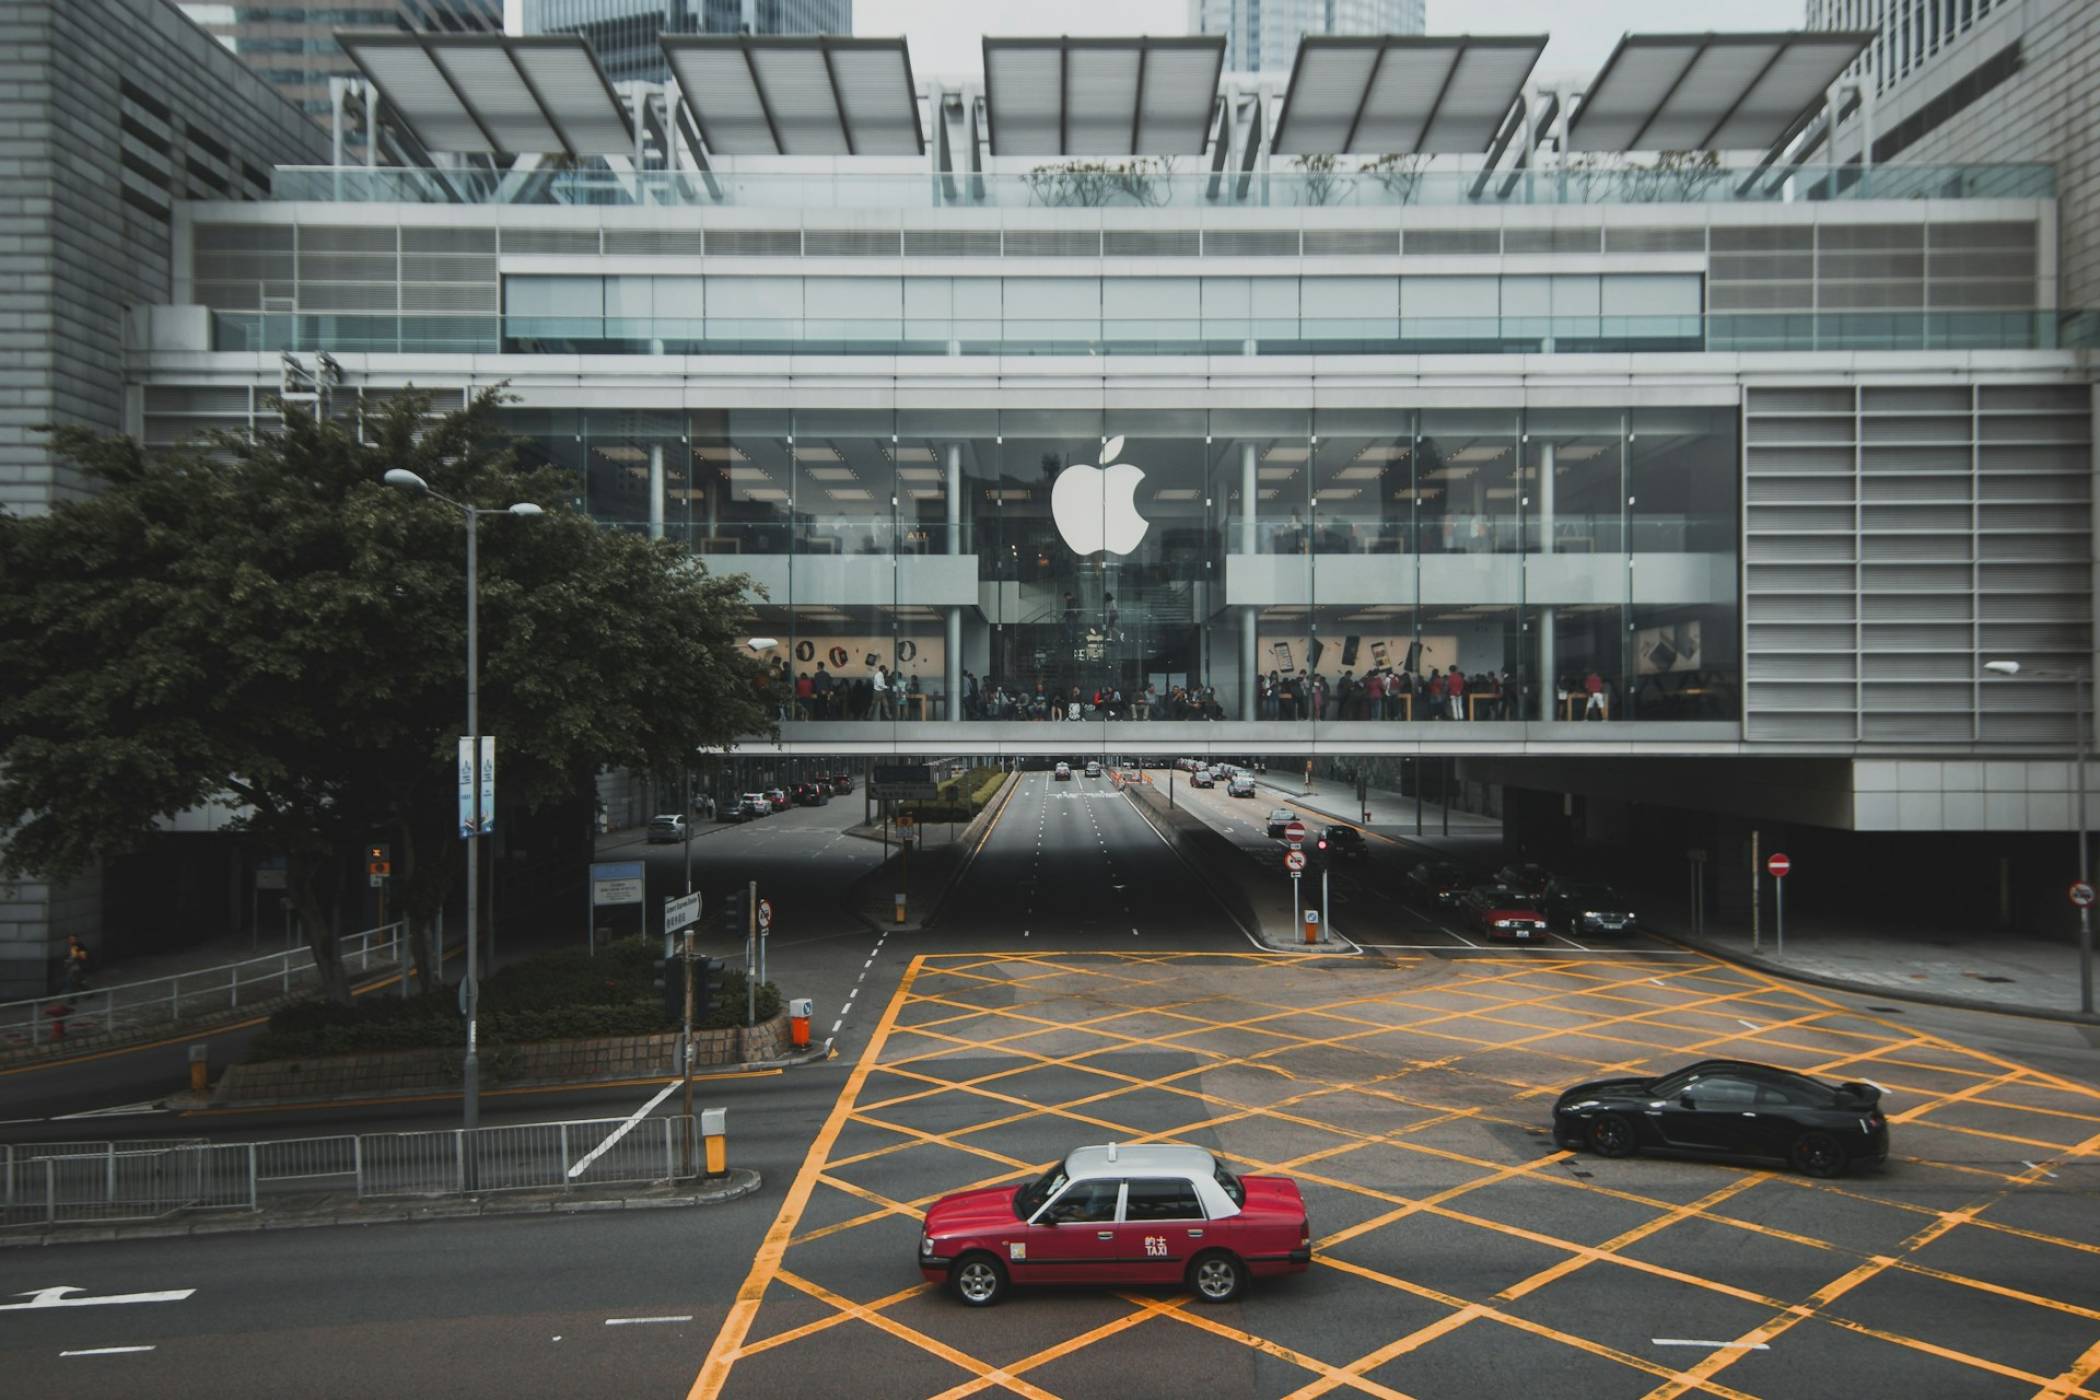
58 1011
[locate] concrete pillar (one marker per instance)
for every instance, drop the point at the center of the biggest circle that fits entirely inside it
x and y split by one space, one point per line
371 125
1250 543
1549 665
656 491
951 662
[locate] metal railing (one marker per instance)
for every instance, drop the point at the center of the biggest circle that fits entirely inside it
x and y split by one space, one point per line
165 1000
1075 186
66 1183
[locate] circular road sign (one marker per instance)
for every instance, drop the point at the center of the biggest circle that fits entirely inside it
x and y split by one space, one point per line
1294 861
1294 832
1779 865
2081 894
765 913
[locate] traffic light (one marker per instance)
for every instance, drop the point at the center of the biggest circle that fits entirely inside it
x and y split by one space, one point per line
671 982
379 860
1316 857
735 922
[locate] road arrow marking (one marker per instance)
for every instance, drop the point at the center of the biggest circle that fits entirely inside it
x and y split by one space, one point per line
55 1297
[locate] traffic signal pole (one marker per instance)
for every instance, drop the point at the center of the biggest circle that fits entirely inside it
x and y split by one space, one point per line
686 1055
751 953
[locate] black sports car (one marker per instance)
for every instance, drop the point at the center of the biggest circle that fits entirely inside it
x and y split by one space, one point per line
1728 1108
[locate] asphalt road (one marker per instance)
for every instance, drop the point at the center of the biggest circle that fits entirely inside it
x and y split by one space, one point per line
631 1304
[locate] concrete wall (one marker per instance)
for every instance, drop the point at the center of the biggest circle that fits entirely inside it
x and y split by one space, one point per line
88 180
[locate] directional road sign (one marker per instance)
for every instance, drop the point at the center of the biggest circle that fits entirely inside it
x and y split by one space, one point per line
1294 861
1779 865
1294 832
682 912
2082 894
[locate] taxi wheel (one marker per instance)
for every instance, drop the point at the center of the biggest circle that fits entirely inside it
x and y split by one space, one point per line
978 1279
1612 1136
1818 1154
1217 1277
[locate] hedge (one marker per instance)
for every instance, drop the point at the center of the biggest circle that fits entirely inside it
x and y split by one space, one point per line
567 995
960 798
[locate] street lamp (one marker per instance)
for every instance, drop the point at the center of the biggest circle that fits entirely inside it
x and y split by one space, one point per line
409 481
2085 915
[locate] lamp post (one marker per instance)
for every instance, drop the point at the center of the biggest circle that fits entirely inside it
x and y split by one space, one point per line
409 481
2085 915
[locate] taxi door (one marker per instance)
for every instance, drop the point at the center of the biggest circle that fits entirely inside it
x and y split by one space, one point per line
1074 1240
1163 1228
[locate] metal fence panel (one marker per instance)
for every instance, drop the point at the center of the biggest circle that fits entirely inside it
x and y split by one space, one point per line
113 1186
409 1164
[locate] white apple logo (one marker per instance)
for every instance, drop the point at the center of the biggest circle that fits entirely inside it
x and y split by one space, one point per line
1096 507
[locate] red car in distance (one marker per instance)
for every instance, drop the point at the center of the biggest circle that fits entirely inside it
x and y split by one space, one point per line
1503 914
1123 1214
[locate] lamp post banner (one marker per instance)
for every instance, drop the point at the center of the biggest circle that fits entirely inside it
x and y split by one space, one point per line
467 783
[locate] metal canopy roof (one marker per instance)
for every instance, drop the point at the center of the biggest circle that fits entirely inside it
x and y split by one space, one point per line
1701 92
1102 97
798 95
1386 94
495 94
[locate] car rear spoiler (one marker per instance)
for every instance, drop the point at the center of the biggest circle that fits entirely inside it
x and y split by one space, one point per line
1855 1094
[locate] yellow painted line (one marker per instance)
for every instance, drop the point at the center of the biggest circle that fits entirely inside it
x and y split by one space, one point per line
652 1081
962 1360
810 1329
765 1265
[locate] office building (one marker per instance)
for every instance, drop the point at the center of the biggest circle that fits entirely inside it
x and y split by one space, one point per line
291 43
1261 36
624 32
119 112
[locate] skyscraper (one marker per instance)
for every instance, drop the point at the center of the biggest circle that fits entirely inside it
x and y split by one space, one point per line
1261 36
624 32
291 43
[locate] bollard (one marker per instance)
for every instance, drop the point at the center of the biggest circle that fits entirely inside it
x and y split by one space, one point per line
200 1068
1312 926
900 906
799 1009
58 1011
714 1129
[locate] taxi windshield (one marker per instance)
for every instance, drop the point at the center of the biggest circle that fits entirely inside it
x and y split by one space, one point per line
1029 1199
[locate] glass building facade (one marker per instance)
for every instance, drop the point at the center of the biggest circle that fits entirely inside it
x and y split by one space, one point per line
1318 568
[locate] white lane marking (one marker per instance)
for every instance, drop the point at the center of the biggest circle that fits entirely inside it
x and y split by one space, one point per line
868 964
643 1321
105 1351
1710 1346
2038 1167
584 1162
848 1011
55 1297
1751 1024
836 1024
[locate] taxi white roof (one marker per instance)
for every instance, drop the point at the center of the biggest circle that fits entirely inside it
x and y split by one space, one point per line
1139 1159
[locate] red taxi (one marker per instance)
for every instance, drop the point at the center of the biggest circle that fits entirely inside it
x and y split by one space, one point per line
1117 1215
1499 912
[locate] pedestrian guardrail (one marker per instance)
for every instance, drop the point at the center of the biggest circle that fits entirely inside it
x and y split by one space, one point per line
165 1000
66 1183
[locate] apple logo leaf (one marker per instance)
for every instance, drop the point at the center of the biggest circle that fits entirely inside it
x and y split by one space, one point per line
1110 449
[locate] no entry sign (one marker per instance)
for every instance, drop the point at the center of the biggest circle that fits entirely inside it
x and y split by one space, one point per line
2081 894
1294 861
1779 865
1294 832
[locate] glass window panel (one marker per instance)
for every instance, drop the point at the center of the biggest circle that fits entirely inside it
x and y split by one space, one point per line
1574 295
679 298
1446 297
1466 497
759 298
1652 295
554 296
630 297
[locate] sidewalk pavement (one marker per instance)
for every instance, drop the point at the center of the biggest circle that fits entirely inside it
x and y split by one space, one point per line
307 1211
1972 969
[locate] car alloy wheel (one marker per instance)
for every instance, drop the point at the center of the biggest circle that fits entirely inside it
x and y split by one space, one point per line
1818 1154
1217 1278
979 1281
1612 1136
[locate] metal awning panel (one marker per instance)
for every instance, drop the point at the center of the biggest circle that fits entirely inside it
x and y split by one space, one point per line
495 94
1390 93
1102 96
798 95
1721 92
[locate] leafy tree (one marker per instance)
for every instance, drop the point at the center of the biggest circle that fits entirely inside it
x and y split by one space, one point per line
263 622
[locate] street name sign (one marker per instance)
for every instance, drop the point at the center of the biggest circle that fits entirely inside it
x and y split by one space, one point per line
682 912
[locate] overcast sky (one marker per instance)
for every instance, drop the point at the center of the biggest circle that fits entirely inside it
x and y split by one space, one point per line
944 34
